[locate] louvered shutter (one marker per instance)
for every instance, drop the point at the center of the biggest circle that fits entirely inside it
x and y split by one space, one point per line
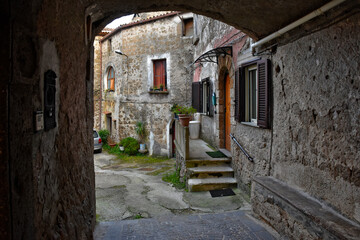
197 96
263 68
241 93
237 96
209 99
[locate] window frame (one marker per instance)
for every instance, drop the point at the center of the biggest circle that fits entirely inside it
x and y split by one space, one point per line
242 95
202 97
164 72
110 80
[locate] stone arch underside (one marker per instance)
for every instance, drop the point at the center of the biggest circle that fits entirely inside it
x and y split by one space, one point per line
52 182
255 18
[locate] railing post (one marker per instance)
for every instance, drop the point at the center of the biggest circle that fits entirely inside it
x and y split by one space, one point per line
182 139
187 143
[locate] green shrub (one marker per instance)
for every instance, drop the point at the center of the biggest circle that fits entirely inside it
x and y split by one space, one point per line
104 135
131 145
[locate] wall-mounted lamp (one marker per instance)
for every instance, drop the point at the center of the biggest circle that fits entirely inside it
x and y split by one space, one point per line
119 52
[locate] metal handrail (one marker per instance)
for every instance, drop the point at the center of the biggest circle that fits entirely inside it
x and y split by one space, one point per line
241 148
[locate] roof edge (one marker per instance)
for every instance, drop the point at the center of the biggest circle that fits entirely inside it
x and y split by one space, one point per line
122 27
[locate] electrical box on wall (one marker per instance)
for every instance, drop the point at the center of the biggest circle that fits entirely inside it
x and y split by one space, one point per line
39 121
49 100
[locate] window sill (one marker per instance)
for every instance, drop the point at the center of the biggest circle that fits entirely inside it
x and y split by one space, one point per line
251 124
158 92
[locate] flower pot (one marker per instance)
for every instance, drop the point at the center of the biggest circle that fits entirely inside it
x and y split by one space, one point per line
142 146
184 119
121 148
112 144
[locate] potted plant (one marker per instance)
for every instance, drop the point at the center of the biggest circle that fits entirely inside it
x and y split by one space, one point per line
151 89
121 147
141 132
161 87
184 114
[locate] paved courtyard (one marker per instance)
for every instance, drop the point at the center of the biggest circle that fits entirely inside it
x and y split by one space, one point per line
133 202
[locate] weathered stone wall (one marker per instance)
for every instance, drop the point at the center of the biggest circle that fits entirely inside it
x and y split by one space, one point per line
314 137
316 126
212 34
97 82
51 173
131 102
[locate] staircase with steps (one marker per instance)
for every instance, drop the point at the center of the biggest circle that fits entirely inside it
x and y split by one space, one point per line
210 174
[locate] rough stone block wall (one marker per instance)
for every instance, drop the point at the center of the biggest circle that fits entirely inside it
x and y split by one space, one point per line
52 172
316 126
97 82
280 215
131 102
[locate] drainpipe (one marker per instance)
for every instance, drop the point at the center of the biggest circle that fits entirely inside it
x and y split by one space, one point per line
297 23
101 76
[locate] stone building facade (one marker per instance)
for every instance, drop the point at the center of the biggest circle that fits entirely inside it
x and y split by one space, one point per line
311 142
151 38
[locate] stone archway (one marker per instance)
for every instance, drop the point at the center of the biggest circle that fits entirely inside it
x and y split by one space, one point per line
48 185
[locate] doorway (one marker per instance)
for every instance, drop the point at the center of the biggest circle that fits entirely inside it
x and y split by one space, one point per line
227 112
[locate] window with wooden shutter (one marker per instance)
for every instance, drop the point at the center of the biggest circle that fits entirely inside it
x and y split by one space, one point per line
263 93
111 79
237 97
210 103
197 96
159 73
252 93
242 109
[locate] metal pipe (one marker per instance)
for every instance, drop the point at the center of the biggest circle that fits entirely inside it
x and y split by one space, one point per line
241 148
298 22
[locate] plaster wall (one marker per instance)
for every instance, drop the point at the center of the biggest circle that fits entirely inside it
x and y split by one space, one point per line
316 126
314 140
131 101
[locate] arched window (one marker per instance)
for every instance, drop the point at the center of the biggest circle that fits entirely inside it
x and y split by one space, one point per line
111 79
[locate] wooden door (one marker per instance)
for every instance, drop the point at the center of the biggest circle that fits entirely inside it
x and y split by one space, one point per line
227 113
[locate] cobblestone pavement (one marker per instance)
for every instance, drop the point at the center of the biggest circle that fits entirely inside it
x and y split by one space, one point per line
229 225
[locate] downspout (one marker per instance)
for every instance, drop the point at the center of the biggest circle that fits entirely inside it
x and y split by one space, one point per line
101 76
297 23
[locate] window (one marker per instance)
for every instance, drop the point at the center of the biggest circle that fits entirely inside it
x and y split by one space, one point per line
252 93
109 48
188 27
202 96
159 73
111 79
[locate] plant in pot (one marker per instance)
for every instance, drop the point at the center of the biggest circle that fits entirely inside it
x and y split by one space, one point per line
161 87
174 110
185 114
141 132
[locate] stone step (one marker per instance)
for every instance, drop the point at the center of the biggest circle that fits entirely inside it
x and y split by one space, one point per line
211 172
208 162
206 184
